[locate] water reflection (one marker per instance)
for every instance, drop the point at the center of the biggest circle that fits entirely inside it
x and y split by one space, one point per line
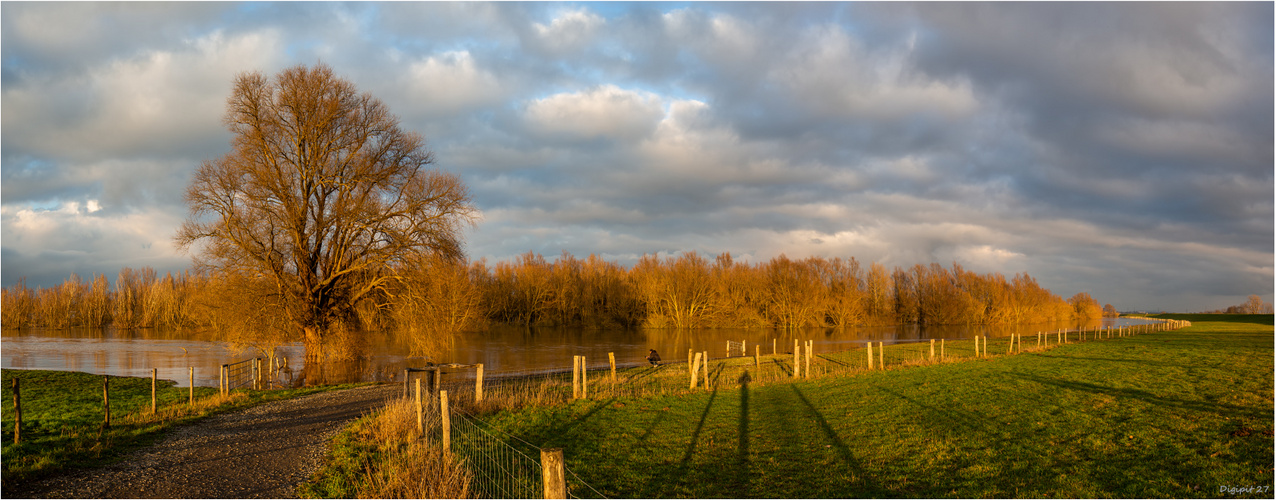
503 349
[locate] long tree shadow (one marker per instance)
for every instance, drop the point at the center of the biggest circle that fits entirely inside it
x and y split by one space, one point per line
853 464
742 448
684 464
1145 396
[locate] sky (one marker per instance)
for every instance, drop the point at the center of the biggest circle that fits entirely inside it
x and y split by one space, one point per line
1119 149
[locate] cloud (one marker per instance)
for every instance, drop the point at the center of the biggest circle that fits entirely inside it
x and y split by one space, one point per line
604 112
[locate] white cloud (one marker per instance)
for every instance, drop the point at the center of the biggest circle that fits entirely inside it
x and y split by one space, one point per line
571 31
607 111
450 82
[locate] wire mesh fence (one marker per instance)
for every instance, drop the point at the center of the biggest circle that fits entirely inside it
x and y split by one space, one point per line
505 466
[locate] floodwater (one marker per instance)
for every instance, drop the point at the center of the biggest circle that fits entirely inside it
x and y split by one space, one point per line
502 350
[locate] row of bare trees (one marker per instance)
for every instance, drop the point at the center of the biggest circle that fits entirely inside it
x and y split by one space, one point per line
1252 305
690 291
434 298
138 300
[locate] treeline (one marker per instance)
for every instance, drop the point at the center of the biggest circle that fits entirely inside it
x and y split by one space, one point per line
432 297
1252 305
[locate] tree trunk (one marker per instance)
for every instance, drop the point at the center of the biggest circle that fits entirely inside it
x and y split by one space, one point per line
313 342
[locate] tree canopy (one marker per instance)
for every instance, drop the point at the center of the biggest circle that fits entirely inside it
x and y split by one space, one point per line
323 196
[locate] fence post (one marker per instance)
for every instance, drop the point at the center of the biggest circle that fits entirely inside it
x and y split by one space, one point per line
985 346
552 473
192 370
881 355
106 400
932 349
757 352
436 378
744 347
576 378
942 353
447 422
773 353
706 369
420 412
584 379
870 355
407 373
810 349
611 359
154 402
694 367
17 412
728 348
478 383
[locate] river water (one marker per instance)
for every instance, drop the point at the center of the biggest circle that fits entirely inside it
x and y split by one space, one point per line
502 350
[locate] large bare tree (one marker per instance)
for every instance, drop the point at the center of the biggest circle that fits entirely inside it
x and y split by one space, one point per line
322 195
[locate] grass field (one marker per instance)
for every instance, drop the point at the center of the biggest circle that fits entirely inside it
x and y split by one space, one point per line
62 417
1167 414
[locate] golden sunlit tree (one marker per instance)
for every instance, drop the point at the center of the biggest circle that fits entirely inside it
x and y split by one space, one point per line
323 195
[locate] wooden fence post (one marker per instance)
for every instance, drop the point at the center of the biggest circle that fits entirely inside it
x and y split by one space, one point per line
881 355
478 383
447 422
407 373
942 354
744 347
420 412
870 354
695 366
154 401
810 350
728 348
611 358
584 379
552 474
976 346
773 353
192 374
932 349
106 401
985 346
757 352
706 370
576 369
17 412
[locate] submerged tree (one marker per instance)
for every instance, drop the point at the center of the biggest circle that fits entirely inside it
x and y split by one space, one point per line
322 195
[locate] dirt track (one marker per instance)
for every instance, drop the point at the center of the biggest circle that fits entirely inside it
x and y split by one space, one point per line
260 452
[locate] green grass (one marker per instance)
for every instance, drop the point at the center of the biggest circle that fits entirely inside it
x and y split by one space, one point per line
62 417
1166 414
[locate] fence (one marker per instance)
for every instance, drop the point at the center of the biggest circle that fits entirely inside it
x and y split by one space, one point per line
504 466
246 373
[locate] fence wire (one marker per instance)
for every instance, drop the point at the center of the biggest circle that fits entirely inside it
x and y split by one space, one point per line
505 466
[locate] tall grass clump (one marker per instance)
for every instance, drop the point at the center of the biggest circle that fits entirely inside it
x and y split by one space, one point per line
382 455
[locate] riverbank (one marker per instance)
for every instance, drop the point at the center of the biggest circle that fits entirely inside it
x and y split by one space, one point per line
1164 414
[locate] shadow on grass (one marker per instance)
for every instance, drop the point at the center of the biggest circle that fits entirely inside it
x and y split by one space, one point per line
1178 404
853 464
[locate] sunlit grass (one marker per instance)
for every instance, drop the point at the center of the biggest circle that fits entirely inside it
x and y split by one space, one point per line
1167 414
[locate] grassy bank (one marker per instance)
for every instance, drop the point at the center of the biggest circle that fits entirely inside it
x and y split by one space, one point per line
62 417
1167 414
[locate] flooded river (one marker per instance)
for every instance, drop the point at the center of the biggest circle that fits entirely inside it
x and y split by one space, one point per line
503 349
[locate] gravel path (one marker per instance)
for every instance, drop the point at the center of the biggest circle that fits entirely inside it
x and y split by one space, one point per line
260 452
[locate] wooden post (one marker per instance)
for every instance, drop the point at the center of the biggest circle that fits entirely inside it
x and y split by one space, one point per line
552 473
478 382
575 377
611 358
942 354
728 348
744 347
222 384
757 353
976 346
406 375
1020 343
695 366
881 355
870 355
420 412
932 349
17 412
706 370
810 349
106 401
773 353
447 422
584 379
192 370
154 401
985 346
